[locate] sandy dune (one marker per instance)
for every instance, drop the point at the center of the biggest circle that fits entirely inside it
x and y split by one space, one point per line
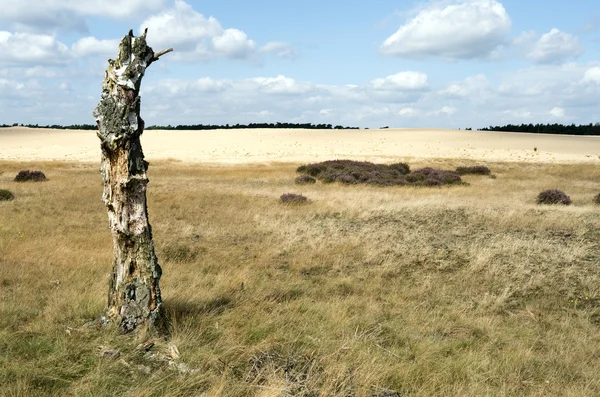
295 145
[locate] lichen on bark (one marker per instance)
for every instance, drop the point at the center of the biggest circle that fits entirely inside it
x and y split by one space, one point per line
134 299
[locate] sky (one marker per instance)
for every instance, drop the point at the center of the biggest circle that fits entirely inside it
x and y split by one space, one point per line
414 64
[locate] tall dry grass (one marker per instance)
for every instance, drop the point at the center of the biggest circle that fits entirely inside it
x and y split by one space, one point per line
461 291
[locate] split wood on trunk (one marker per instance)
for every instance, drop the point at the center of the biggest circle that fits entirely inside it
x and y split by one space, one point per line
134 300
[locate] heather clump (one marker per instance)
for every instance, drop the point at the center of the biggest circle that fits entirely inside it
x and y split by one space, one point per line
553 196
293 198
597 199
473 170
443 176
28 175
305 179
6 195
349 172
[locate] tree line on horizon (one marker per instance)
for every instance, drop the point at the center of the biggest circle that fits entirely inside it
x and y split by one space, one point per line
197 126
572 129
584 129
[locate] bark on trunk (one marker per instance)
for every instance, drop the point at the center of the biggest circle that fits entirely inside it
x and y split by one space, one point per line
134 300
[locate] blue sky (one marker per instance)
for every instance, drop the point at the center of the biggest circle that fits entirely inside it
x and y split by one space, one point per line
449 64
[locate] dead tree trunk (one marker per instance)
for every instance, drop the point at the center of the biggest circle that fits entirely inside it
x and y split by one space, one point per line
134 300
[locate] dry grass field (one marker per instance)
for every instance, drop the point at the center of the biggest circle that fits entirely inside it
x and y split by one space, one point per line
365 291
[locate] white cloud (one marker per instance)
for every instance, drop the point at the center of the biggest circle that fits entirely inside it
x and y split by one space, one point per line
196 37
49 15
472 85
370 112
41 51
279 85
480 104
280 50
206 84
11 86
401 81
327 112
592 76
261 115
234 43
407 112
557 112
534 94
178 87
112 8
535 88
525 38
471 29
556 46
519 114
87 46
23 48
447 110
180 27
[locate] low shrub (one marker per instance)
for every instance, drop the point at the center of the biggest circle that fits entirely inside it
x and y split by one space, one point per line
403 168
305 180
432 182
34 176
415 178
351 172
474 170
311 169
597 198
553 196
293 198
445 177
6 195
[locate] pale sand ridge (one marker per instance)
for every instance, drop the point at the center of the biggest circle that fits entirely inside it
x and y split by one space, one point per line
298 145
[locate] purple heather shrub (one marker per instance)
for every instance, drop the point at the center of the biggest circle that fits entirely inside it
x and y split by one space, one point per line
305 180
352 172
473 170
402 168
34 176
293 198
553 196
432 182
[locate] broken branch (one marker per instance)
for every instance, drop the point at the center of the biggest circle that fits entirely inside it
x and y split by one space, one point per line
161 53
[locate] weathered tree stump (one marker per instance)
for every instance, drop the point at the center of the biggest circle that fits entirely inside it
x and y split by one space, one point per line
134 300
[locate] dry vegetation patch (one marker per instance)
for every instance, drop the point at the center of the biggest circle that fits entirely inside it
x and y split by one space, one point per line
6 195
293 198
350 172
553 196
474 170
29 175
464 291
